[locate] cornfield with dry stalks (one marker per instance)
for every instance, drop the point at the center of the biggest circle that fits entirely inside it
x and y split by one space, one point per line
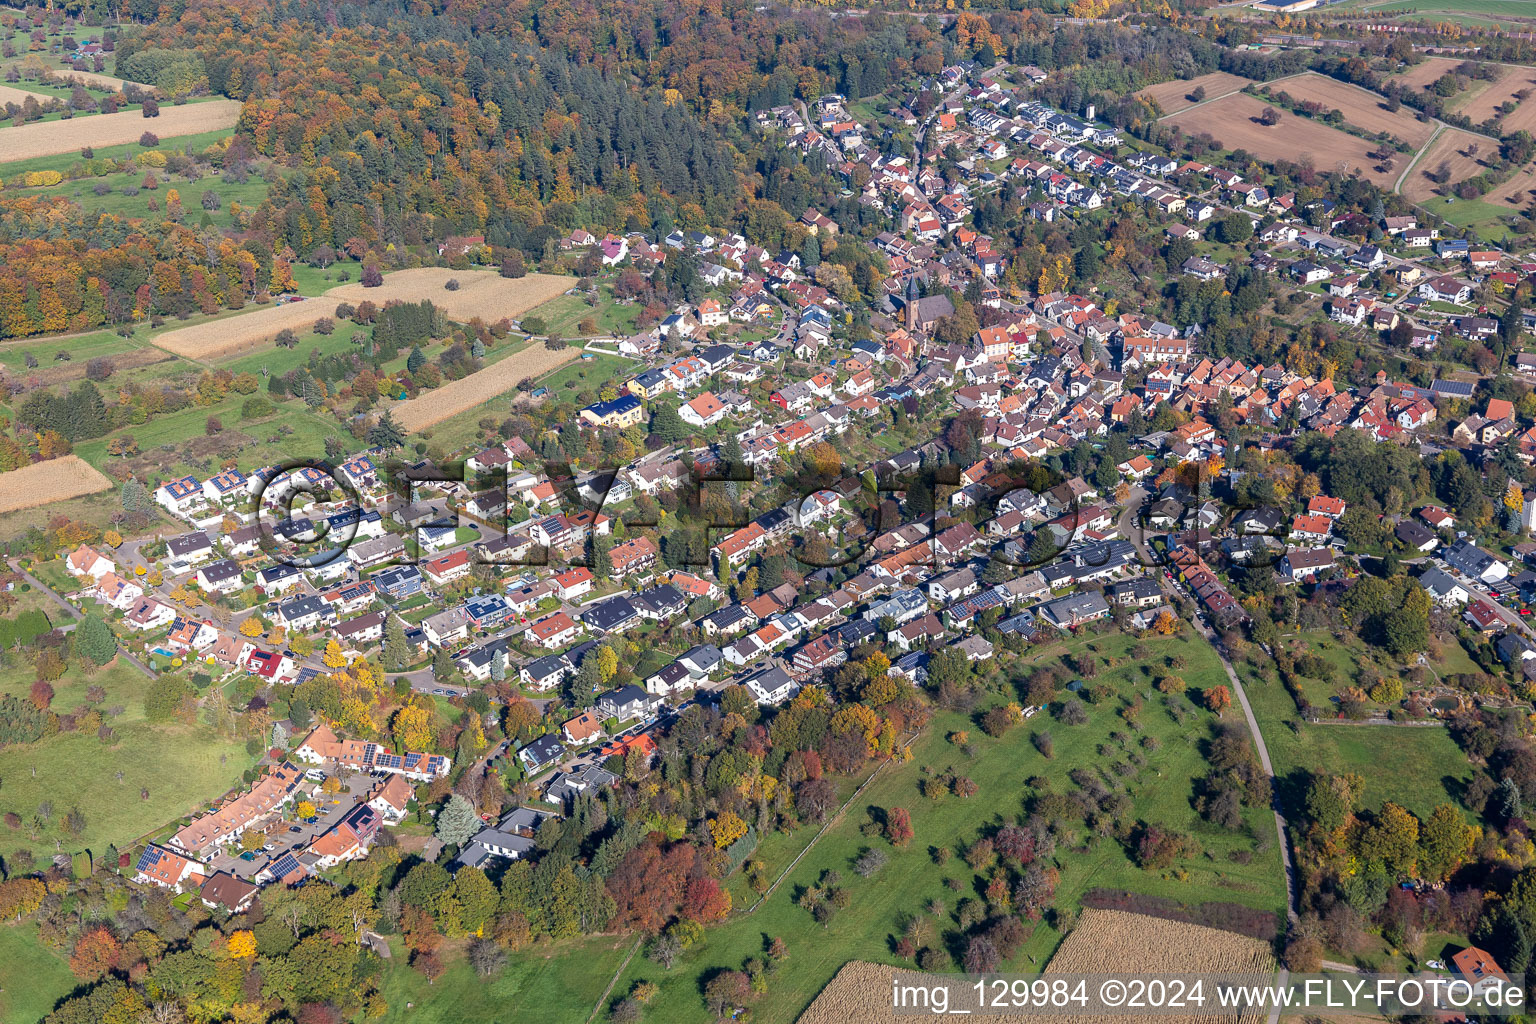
1111 942
43 483
1121 943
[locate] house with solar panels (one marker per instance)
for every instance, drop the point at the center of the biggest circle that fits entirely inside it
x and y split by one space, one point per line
283 870
167 869
348 839
323 745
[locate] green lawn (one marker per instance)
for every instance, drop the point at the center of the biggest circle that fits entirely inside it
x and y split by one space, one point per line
292 432
128 199
180 765
1161 792
32 977
1415 767
13 354
551 984
563 313
278 361
314 280
62 162
588 374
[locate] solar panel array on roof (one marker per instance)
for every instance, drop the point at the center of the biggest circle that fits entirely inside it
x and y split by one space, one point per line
149 858
389 761
286 865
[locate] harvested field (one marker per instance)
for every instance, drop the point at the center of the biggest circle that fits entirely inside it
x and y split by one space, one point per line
1426 72
43 483
861 994
1451 152
481 386
1362 108
50 138
1104 942
482 293
1234 122
1172 97
1119 942
1517 193
11 94
241 333
1488 96
91 80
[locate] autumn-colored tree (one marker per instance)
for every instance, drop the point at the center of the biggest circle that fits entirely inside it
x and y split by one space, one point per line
333 656
304 810
1218 699
96 953
726 829
20 897
242 945
898 826
412 727
250 626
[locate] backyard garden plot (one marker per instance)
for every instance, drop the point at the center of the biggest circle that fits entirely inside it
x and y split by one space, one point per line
44 483
1234 122
50 138
480 387
1173 97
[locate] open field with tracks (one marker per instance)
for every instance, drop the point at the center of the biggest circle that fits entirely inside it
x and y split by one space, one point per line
480 387
481 293
43 483
1362 108
1234 122
1425 73
1172 97
1453 150
49 138
1517 193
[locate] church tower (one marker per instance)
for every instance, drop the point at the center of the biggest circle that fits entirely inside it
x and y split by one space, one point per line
910 306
